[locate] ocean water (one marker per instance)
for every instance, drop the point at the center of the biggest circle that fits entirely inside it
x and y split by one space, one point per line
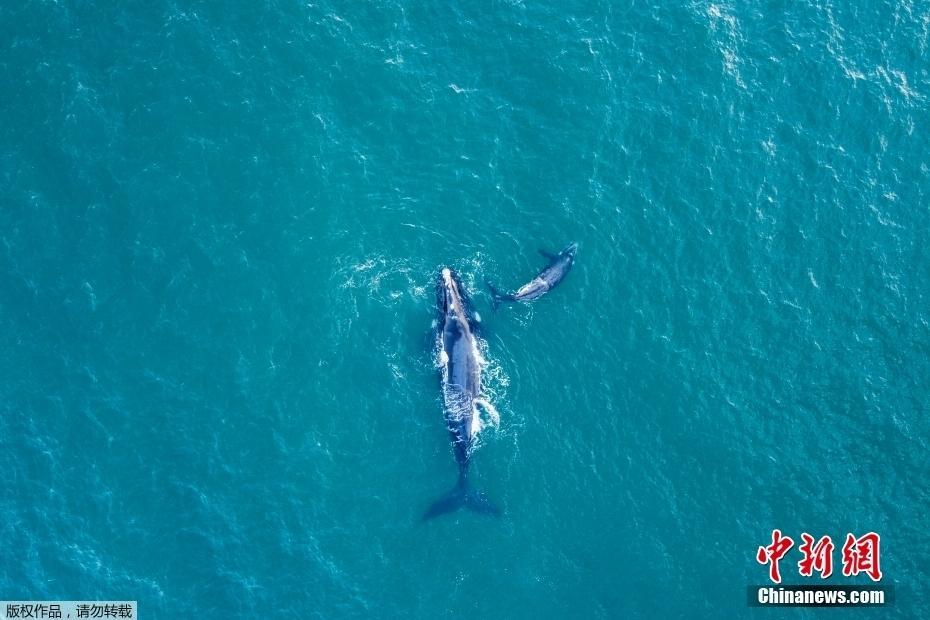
220 228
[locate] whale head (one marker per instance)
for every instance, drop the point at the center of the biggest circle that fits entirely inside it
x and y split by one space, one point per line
447 291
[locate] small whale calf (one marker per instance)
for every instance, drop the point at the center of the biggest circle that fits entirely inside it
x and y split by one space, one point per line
559 266
461 364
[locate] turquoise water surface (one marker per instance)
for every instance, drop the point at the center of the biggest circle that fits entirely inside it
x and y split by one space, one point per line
220 228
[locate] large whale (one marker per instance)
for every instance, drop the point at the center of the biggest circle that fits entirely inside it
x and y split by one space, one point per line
559 266
460 362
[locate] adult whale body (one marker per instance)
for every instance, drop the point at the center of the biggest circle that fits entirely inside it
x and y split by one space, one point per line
460 362
559 266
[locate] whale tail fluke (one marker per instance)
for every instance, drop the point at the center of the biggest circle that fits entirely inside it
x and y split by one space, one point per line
462 496
496 296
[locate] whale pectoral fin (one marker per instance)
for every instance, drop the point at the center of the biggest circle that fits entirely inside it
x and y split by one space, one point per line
548 254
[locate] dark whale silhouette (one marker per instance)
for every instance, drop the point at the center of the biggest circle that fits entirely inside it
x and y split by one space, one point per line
559 266
460 362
